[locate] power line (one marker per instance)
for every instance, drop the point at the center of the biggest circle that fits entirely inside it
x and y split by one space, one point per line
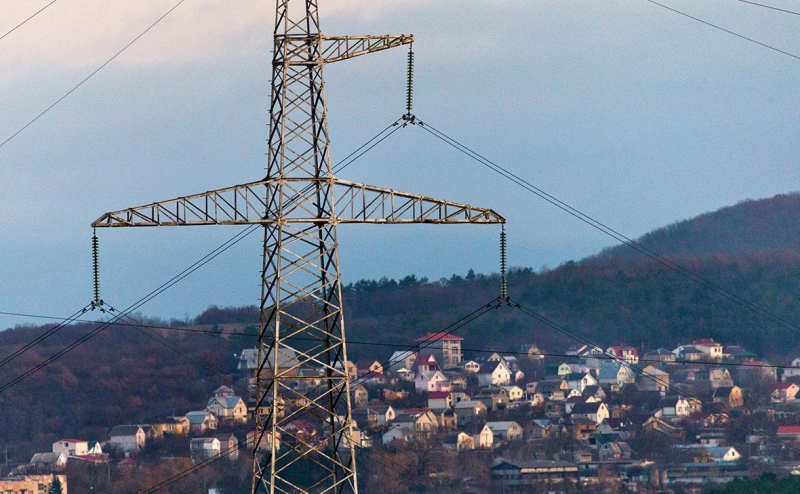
165 286
59 100
759 43
26 20
665 384
771 7
616 235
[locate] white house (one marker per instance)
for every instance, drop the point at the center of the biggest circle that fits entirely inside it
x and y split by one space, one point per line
127 437
494 373
485 438
427 382
596 412
674 406
201 448
71 447
794 370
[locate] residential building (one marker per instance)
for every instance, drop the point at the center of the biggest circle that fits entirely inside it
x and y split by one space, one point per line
71 447
127 437
32 484
494 373
445 346
202 448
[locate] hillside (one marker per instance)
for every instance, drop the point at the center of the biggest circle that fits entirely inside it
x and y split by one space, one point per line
750 227
125 376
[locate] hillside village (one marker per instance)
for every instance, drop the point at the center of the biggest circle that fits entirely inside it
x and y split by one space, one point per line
616 419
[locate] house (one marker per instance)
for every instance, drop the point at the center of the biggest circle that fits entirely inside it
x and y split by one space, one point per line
228 445
783 392
710 454
627 354
710 348
426 423
730 396
33 484
439 400
469 411
403 359
429 381
448 420
688 353
127 438
369 368
265 441
514 393
445 346
531 351
539 429
226 406
458 441
794 370
654 424
485 438
201 421
533 473
172 425
653 379
493 397
359 395
48 462
494 373
425 363
615 373
674 406
505 431
659 355
202 448
398 433
596 412
71 447
472 367
385 414
615 450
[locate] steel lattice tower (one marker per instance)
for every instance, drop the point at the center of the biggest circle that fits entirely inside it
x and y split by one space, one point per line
301 377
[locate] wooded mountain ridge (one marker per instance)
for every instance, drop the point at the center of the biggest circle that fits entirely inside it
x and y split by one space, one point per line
125 375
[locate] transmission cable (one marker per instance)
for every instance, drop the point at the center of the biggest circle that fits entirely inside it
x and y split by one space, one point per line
26 20
770 7
659 382
424 343
633 244
165 286
62 98
759 43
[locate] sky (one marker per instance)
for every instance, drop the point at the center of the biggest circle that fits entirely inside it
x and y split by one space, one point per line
631 113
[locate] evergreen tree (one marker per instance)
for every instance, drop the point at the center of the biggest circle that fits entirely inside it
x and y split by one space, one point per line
55 486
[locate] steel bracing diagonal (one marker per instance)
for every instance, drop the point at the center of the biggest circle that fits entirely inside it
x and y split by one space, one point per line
245 204
304 438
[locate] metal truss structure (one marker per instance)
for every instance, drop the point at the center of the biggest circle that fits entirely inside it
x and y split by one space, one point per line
302 384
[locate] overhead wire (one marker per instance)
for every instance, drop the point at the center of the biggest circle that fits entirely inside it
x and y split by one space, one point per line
752 40
655 379
770 7
154 293
26 20
85 79
598 225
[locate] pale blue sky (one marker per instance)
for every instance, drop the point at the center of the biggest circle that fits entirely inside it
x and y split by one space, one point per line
633 114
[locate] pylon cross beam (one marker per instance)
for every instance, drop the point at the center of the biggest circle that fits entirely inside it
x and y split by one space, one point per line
304 439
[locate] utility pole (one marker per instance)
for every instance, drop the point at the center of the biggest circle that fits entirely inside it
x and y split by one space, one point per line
300 203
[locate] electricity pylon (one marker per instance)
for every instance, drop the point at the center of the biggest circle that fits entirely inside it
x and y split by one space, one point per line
304 439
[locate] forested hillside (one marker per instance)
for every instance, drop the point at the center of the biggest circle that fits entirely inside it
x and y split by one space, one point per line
123 375
761 226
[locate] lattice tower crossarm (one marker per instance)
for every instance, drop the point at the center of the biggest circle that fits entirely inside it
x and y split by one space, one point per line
304 438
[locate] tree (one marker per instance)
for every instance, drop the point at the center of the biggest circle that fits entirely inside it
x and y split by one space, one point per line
55 486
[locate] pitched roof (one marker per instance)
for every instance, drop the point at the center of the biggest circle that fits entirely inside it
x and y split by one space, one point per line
586 408
439 336
125 430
